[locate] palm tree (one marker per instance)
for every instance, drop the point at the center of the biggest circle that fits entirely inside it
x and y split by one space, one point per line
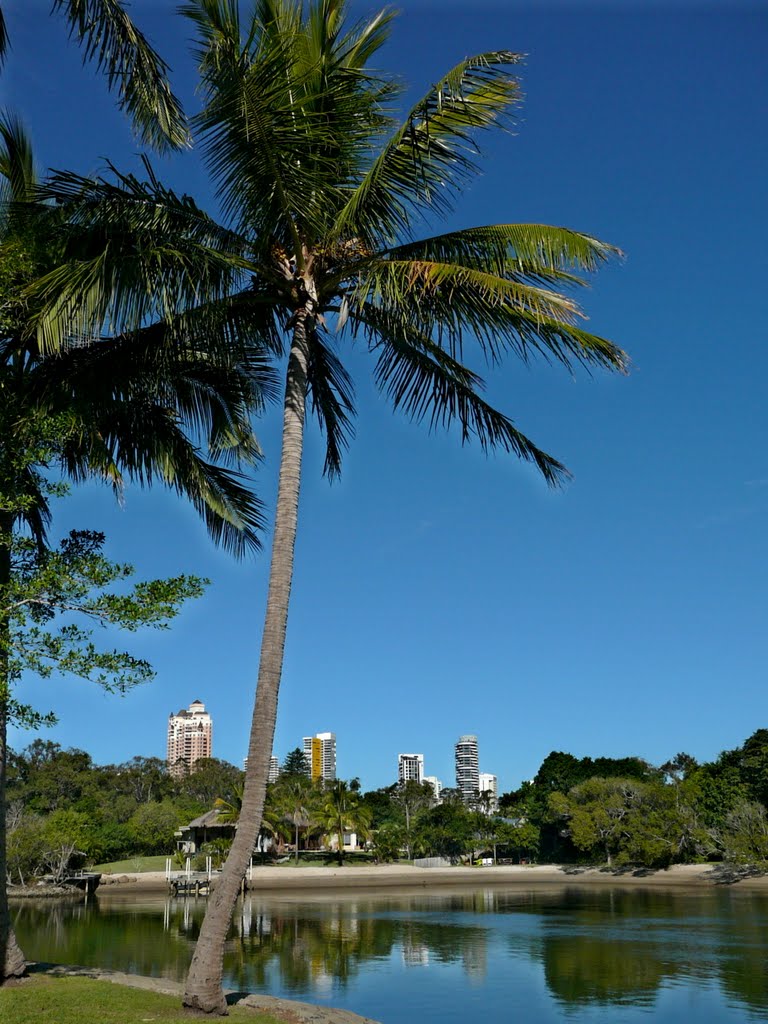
111 41
341 811
295 798
143 405
229 807
323 196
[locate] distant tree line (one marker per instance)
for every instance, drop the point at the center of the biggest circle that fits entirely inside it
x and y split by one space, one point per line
60 802
626 811
64 809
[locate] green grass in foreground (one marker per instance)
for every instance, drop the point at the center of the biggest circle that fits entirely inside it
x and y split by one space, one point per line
46 1000
134 864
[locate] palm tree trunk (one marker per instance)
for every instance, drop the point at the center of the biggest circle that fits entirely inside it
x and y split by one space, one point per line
203 989
12 962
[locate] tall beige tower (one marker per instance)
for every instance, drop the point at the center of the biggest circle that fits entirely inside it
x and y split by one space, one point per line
190 737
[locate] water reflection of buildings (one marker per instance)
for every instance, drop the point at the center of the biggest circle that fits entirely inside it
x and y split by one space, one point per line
415 951
253 923
474 958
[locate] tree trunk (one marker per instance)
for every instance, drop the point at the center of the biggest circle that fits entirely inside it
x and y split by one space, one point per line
203 989
12 962
297 843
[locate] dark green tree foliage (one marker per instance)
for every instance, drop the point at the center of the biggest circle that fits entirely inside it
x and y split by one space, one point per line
752 761
627 811
679 767
295 763
413 799
209 780
51 602
151 827
127 809
145 779
54 600
560 772
517 840
745 836
382 808
448 830
626 821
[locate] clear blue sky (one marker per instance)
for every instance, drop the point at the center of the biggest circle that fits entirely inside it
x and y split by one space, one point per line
439 592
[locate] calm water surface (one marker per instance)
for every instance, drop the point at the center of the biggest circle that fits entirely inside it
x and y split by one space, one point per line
575 955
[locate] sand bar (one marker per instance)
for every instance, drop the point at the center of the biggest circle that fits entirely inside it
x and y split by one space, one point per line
406 877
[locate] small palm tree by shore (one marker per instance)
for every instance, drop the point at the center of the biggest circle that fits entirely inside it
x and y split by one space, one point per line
341 811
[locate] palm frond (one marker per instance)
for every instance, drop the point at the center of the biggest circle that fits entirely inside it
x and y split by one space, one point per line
331 395
17 165
217 26
357 47
426 284
131 252
32 505
452 304
427 383
285 119
207 366
529 252
133 68
430 157
5 43
143 441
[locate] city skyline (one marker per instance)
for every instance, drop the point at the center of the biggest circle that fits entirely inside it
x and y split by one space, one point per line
185 733
431 580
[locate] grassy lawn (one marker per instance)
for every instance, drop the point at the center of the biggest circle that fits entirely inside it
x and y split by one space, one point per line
45 1000
324 859
134 864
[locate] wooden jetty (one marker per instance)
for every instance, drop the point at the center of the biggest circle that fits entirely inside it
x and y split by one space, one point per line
194 884
86 880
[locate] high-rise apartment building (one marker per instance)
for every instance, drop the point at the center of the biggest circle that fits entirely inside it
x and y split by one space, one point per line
273 773
410 767
467 770
190 737
320 756
436 785
489 784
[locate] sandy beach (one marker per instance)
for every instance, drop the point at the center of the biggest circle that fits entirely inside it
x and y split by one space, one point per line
406 877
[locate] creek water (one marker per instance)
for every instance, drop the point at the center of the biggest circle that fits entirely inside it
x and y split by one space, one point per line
603 956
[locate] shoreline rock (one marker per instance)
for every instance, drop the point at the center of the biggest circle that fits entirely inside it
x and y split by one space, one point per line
44 891
294 1012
